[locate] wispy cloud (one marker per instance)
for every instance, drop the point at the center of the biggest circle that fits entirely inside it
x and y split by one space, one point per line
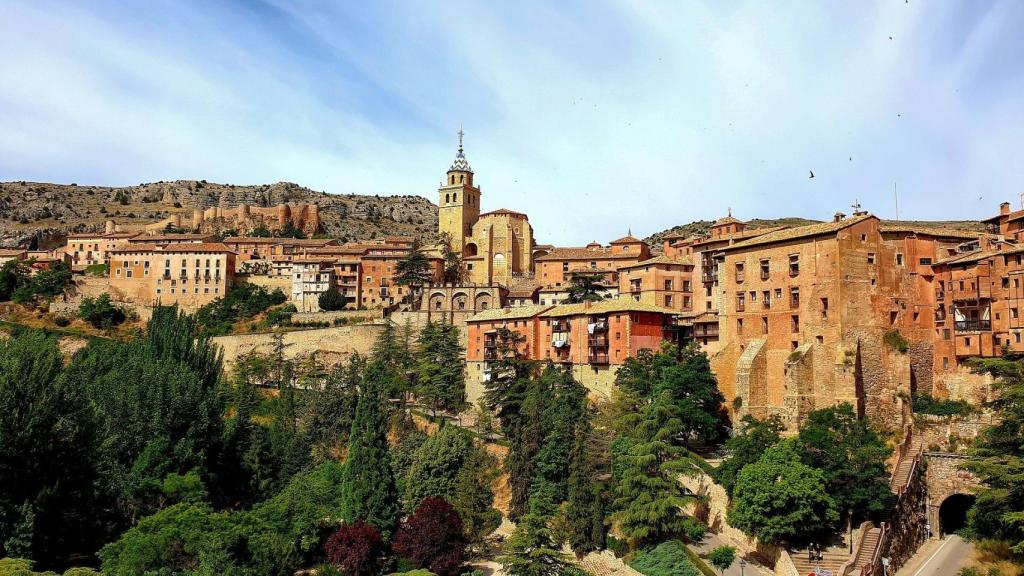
589 116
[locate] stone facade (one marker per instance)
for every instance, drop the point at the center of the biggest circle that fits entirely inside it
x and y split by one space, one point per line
190 275
331 345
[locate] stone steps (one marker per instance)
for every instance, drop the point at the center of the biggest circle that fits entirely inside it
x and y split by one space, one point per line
866 552
832 560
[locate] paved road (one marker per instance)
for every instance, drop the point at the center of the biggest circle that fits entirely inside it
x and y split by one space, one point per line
939 558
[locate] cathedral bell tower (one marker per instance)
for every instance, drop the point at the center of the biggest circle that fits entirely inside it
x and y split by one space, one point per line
458 201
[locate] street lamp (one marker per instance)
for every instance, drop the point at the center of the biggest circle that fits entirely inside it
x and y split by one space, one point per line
743 564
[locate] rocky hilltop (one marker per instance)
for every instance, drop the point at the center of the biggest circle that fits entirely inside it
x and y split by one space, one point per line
41 213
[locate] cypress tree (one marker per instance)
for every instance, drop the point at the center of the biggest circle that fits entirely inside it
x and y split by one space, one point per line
368 486
584 509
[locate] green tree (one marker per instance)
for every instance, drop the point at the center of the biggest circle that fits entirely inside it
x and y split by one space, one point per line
368 486
440 375
453 271
330 410
413 269
722 557
648 497
851 456
584 287
331 300
474 497
100 312
686 375
48 443
793 508
997 458
531 551
584 508
754 437
436 465
14 274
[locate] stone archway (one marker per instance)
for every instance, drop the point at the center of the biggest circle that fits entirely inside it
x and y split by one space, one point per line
953 513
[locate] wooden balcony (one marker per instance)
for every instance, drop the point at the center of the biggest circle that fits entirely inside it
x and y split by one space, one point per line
972 325
597 358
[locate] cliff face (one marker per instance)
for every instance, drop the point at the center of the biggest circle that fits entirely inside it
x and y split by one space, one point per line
44 213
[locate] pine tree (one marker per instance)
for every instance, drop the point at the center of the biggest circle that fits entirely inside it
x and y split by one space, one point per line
584 509
648 498
474 496
440 378
368 486
390 363
413 270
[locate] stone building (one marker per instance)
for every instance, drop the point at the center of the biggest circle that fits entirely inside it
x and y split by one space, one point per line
556 268
593 339
90 248
311 277
246 217
496 246
187 274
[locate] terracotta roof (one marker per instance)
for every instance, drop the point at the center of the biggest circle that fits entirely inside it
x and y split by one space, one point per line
662 259
979 255
799 232
628 239
152 238
136 247
312 260
513 313
104 235
212 247
601 253
727 220
522 287
745 234
11 252
251 240
929 231
503 212
604 307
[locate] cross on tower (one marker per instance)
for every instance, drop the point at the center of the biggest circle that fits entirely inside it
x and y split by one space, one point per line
855 206
461 134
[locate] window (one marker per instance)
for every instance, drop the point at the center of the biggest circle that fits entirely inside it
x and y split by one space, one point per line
945 363
565 267
796 323
945 333
871 258
899 259
739 326
668 301
668 284
1016 337
764 324
686 302
593 265
925 261
1006 282
794 264
686 286
819 339
740 302
765 269
766 299
824 308
739 272
794 297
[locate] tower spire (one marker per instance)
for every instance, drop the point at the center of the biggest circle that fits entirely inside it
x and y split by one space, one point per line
461 134
460 164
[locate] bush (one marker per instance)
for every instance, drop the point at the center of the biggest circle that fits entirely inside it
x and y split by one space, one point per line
241 303
895 341
100 312
356 549
926 404
97 270
280 316
331 300
432 537
667 559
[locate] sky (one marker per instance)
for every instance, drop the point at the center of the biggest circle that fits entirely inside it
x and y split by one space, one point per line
595 118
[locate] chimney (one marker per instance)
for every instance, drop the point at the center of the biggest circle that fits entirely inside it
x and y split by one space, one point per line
838 217
1004 208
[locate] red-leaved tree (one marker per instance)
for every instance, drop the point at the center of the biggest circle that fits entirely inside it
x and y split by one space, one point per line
356 549
432 538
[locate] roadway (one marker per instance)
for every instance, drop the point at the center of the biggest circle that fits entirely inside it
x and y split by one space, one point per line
939 558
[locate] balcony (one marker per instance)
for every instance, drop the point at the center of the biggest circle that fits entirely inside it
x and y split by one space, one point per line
560 326
490 354
598 341
983 292
490 343
597 358
940 296
972 325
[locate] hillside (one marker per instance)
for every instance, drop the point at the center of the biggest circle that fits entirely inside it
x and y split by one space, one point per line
703 227
48 212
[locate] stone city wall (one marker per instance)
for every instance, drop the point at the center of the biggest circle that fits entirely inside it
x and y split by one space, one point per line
331 345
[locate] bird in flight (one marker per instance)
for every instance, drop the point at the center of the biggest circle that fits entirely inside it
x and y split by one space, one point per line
812 173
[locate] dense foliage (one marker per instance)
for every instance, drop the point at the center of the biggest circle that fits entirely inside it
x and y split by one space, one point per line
331 300
667 559
440 374
997 458
584 287
753 438
432 538
241 303
356 549
926 404
18 281
100 312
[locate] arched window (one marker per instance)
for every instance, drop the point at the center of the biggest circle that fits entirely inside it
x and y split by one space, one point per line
451 179
455 197
499 261
462 178
447 198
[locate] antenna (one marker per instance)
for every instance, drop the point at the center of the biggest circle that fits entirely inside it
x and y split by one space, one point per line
897 197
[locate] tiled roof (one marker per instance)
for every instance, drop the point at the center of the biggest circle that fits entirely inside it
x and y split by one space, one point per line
604 307
152 238
727 220
503 212
514 313
210 247
251 240
799 232
979 255
662 259
928 231
11 252
585 254
522 287
628 239
745 234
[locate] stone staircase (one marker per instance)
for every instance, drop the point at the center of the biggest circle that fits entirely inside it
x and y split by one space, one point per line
905 466
832 559
866 552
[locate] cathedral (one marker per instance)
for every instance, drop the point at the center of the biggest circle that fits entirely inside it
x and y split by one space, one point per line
496 246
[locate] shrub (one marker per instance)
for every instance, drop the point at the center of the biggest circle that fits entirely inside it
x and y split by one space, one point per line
926 404
895 341
667 559
241 303
432 537
331 300
100 312
97 270
356 549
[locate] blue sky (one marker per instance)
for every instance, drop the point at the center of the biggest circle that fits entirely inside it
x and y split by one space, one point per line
590 116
